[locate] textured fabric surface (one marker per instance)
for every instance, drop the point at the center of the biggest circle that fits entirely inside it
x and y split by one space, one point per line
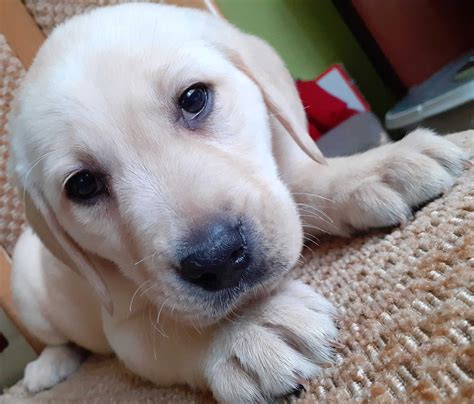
406 299
11 211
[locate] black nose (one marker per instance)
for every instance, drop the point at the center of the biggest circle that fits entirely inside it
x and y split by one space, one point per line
216 258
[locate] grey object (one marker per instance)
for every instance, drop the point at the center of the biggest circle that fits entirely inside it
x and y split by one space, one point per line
449 90
17 353
357 134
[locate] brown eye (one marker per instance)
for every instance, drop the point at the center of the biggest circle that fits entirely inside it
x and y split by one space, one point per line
194 100
84 186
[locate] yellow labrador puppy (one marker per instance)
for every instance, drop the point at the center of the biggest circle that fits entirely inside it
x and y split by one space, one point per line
168 176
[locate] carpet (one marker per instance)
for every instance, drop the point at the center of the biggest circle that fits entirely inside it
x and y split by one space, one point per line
11 211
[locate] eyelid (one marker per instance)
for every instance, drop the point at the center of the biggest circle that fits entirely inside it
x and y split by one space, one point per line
68 176
191 83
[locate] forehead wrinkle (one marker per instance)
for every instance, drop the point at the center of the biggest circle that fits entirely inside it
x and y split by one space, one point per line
175 76
134 110
183 66
105 127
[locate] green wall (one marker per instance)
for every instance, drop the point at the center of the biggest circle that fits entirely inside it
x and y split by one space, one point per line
310 36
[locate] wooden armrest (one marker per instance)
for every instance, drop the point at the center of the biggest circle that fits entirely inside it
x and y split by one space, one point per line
20 30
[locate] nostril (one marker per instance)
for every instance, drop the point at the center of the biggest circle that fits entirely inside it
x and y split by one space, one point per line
207 279
216 256
238 255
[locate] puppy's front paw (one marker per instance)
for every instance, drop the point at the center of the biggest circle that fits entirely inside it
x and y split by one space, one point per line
406 175
52 366
273 347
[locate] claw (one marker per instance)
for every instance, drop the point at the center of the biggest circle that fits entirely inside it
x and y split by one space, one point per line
403 223
337 345
338 317
301 387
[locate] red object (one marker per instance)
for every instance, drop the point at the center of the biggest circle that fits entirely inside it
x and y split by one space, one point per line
349 82
324 111
313 131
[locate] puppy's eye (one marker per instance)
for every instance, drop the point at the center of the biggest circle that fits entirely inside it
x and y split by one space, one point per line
84 186
194 100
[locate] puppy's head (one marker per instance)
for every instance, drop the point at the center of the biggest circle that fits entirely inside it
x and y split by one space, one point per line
141 140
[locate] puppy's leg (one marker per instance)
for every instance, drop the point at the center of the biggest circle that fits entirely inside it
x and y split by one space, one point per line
273 347
59 359
55 364
377 188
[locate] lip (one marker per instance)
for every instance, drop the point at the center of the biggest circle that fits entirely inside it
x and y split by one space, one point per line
212 307
257 278
242 296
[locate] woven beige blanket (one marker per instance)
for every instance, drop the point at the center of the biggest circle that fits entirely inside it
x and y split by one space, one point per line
406 299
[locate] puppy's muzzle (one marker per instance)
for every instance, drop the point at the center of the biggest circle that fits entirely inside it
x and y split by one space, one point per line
216 256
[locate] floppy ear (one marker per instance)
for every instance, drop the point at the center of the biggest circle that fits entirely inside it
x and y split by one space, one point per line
264 67
45 224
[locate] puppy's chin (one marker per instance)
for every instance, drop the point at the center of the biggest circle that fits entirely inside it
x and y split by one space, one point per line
205 308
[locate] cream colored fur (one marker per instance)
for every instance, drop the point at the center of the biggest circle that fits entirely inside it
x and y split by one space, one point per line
103 88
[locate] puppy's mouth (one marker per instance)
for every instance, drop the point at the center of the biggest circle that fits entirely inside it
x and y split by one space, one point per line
191 303
222 265
211 304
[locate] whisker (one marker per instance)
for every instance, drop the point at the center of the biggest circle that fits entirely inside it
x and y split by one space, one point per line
161 309
314 216
325 207
172 309
157 322
146 258
308 247
310 240
303 205
151 321
153 335
201 328
313 237
148 289
301 260
306 223
195 328
315 227
135 293
312 195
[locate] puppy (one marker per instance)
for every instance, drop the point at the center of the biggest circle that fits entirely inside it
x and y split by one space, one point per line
169 179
